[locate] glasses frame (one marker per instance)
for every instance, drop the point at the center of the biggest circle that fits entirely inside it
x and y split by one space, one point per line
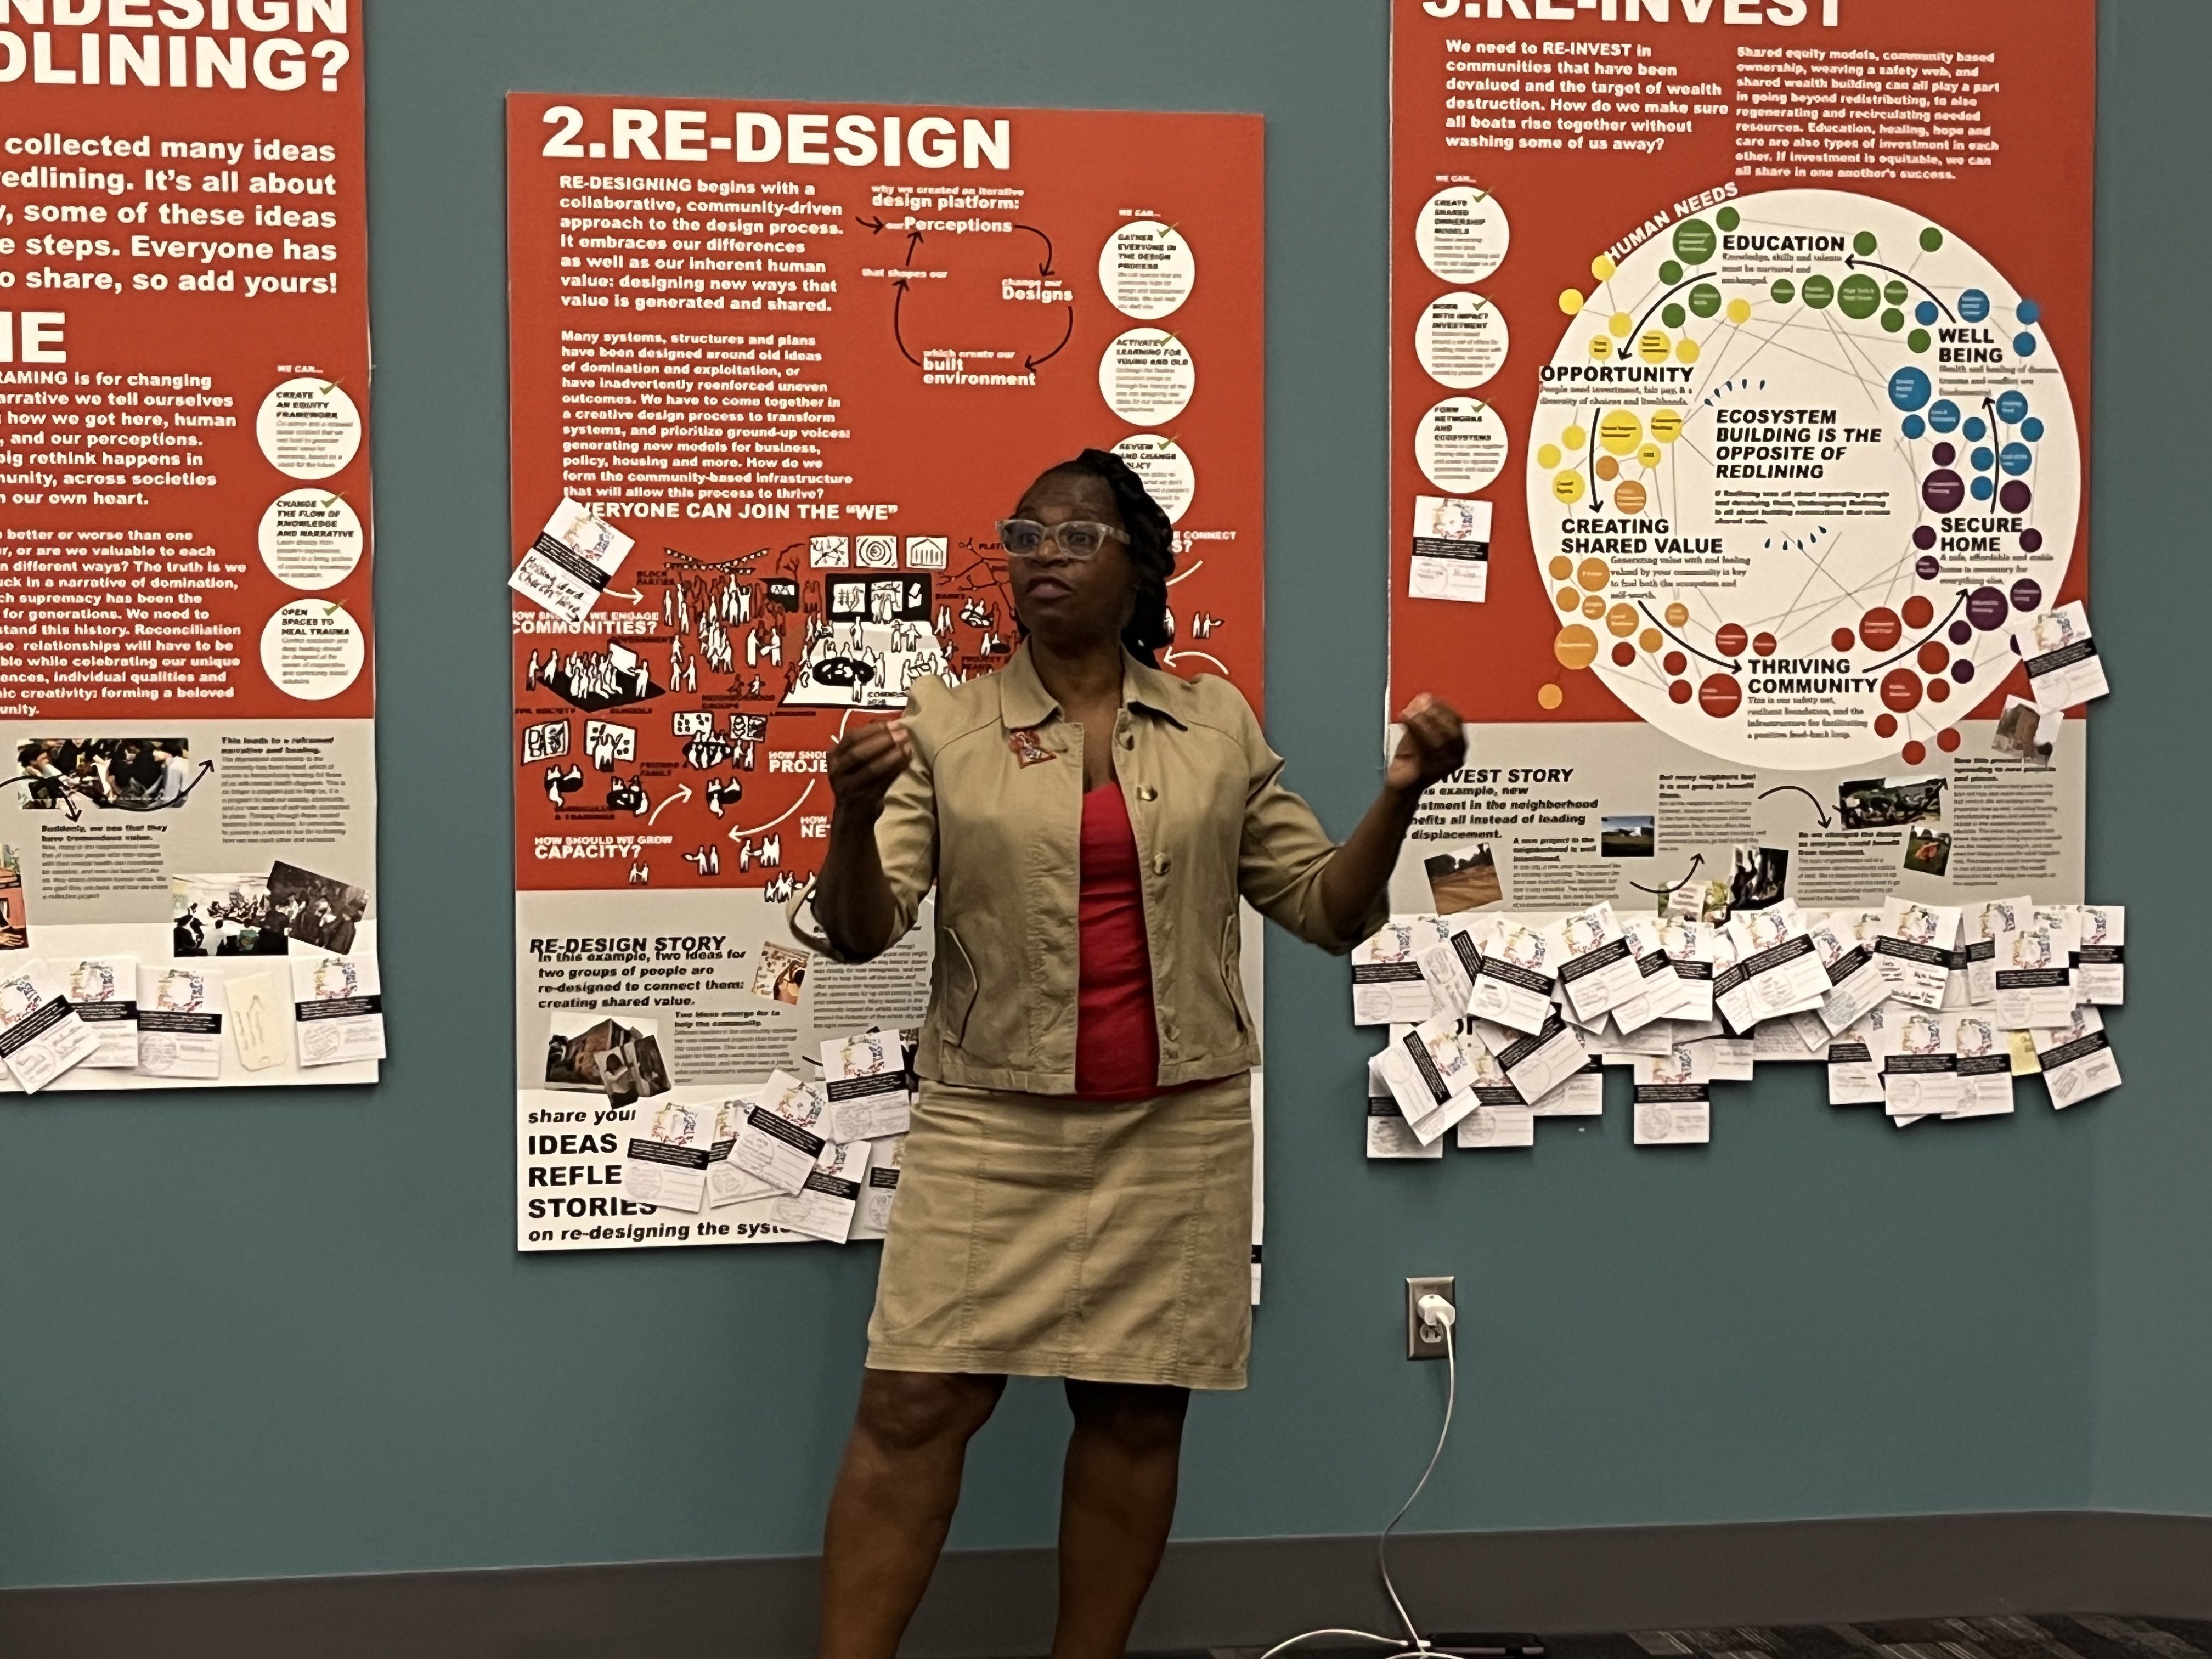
1054 534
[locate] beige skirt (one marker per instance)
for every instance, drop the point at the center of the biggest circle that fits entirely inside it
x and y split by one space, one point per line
1040 1235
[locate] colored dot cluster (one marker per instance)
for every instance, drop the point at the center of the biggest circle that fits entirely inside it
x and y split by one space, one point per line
1998 462
1624 441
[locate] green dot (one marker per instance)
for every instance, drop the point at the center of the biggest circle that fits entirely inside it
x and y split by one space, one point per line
1864 244
1706 300
1919 340
1670 273
1673 316
1694 241
1820 293
1931 239
1895 294
1860 297
1785 291
1892 320
1728 218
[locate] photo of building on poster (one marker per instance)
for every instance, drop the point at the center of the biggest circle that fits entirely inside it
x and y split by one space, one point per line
1772 406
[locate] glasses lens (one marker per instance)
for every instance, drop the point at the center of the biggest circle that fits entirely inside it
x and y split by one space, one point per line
1021 537
1081 540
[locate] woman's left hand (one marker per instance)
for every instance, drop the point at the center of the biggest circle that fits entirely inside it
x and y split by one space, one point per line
1434 745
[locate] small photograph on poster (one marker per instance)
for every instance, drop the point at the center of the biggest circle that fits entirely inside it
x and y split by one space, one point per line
1759 878
2026 732
317 910
578 1043
218 915
134 774
14 915
1927 852
1889 803
781 976
1629 836
632 1070
1466 880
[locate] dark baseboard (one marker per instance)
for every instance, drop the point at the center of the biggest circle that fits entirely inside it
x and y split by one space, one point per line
1230 1593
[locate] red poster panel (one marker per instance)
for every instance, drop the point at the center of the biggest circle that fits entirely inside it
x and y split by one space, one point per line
1740 356
778 368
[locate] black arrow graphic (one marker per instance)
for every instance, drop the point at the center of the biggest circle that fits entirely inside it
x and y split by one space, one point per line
1856 263
897 304
1718 662
1925 638
914 239
1697 862
1789 788
1688 282
1031 363
875 226
1044 269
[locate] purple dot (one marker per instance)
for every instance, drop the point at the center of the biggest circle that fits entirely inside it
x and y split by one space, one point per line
2028 593
2015 496
1985 610
1961 632
1962 671
1944 454
1924 536
1943 490
1927 568
2031 541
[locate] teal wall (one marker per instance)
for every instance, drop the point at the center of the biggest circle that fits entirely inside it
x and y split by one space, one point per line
254 1336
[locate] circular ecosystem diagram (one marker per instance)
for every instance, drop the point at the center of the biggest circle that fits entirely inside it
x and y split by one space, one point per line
1798 467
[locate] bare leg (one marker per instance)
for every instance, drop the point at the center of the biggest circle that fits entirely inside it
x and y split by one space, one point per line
1117 1501
896 1492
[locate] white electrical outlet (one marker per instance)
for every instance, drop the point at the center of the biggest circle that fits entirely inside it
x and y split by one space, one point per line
1424 1340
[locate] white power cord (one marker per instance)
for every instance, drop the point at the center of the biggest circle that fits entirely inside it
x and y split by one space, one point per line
1434 1311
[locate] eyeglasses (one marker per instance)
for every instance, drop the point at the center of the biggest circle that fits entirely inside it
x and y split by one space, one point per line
1025 538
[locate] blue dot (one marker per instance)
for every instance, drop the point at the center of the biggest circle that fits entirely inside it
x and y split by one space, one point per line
2024 344
1984 488
1910 388
2029 310
1975 431
1926 313
1915 428
2016 459
1974 304
1944 417
2012 407
2032 429
1985 458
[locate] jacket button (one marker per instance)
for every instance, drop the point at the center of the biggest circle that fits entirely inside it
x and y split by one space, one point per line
1145 792
1161 863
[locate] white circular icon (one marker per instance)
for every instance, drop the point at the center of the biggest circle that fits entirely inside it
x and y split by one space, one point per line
311 539
308 429
1147 377
1461 340
1462 234
313 649
1164 470
1146 269
1461 445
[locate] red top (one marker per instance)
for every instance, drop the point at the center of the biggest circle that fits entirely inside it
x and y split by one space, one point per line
1117 1038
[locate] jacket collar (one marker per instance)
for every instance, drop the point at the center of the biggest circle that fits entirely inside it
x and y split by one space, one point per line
1024 701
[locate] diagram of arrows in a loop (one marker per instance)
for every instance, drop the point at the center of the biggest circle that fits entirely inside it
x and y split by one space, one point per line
1042 291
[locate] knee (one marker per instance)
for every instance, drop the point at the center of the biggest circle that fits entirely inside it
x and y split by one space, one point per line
1138 1421
907 1410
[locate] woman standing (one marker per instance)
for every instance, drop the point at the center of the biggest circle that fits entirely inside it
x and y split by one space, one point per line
1075 1199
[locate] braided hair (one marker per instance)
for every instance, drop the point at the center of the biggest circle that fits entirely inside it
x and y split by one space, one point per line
1151 547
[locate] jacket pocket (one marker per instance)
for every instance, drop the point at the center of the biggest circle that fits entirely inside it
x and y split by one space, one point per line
1230 977
959 988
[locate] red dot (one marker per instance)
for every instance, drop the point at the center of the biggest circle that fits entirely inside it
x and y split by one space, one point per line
1885 726
1720 696
1914 753
1624 654
1939 690
1764 645
1934 657
1948 740
1918 613
1843 639
1900 690
1730 639
1680 692
1880 629
1675 663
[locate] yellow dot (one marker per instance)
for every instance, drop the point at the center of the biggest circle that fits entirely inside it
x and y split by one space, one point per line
1653 346
1569 599
1600 348
1603 267
1651 639
1678 615
1549 696
1561 567
1739 311
1667 424
1593 574
1620 621
1686 351
1576 647
1649 455
1574 437
1594 607
1571 301
1631 497
1620 431
1620 323
1567 488
1547 456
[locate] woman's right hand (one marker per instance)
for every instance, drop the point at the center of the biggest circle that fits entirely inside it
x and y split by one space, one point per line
865 764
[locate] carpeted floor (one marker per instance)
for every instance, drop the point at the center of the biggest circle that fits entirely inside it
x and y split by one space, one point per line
2080 1637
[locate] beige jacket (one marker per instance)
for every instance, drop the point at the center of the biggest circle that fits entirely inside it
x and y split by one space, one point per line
1000 838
